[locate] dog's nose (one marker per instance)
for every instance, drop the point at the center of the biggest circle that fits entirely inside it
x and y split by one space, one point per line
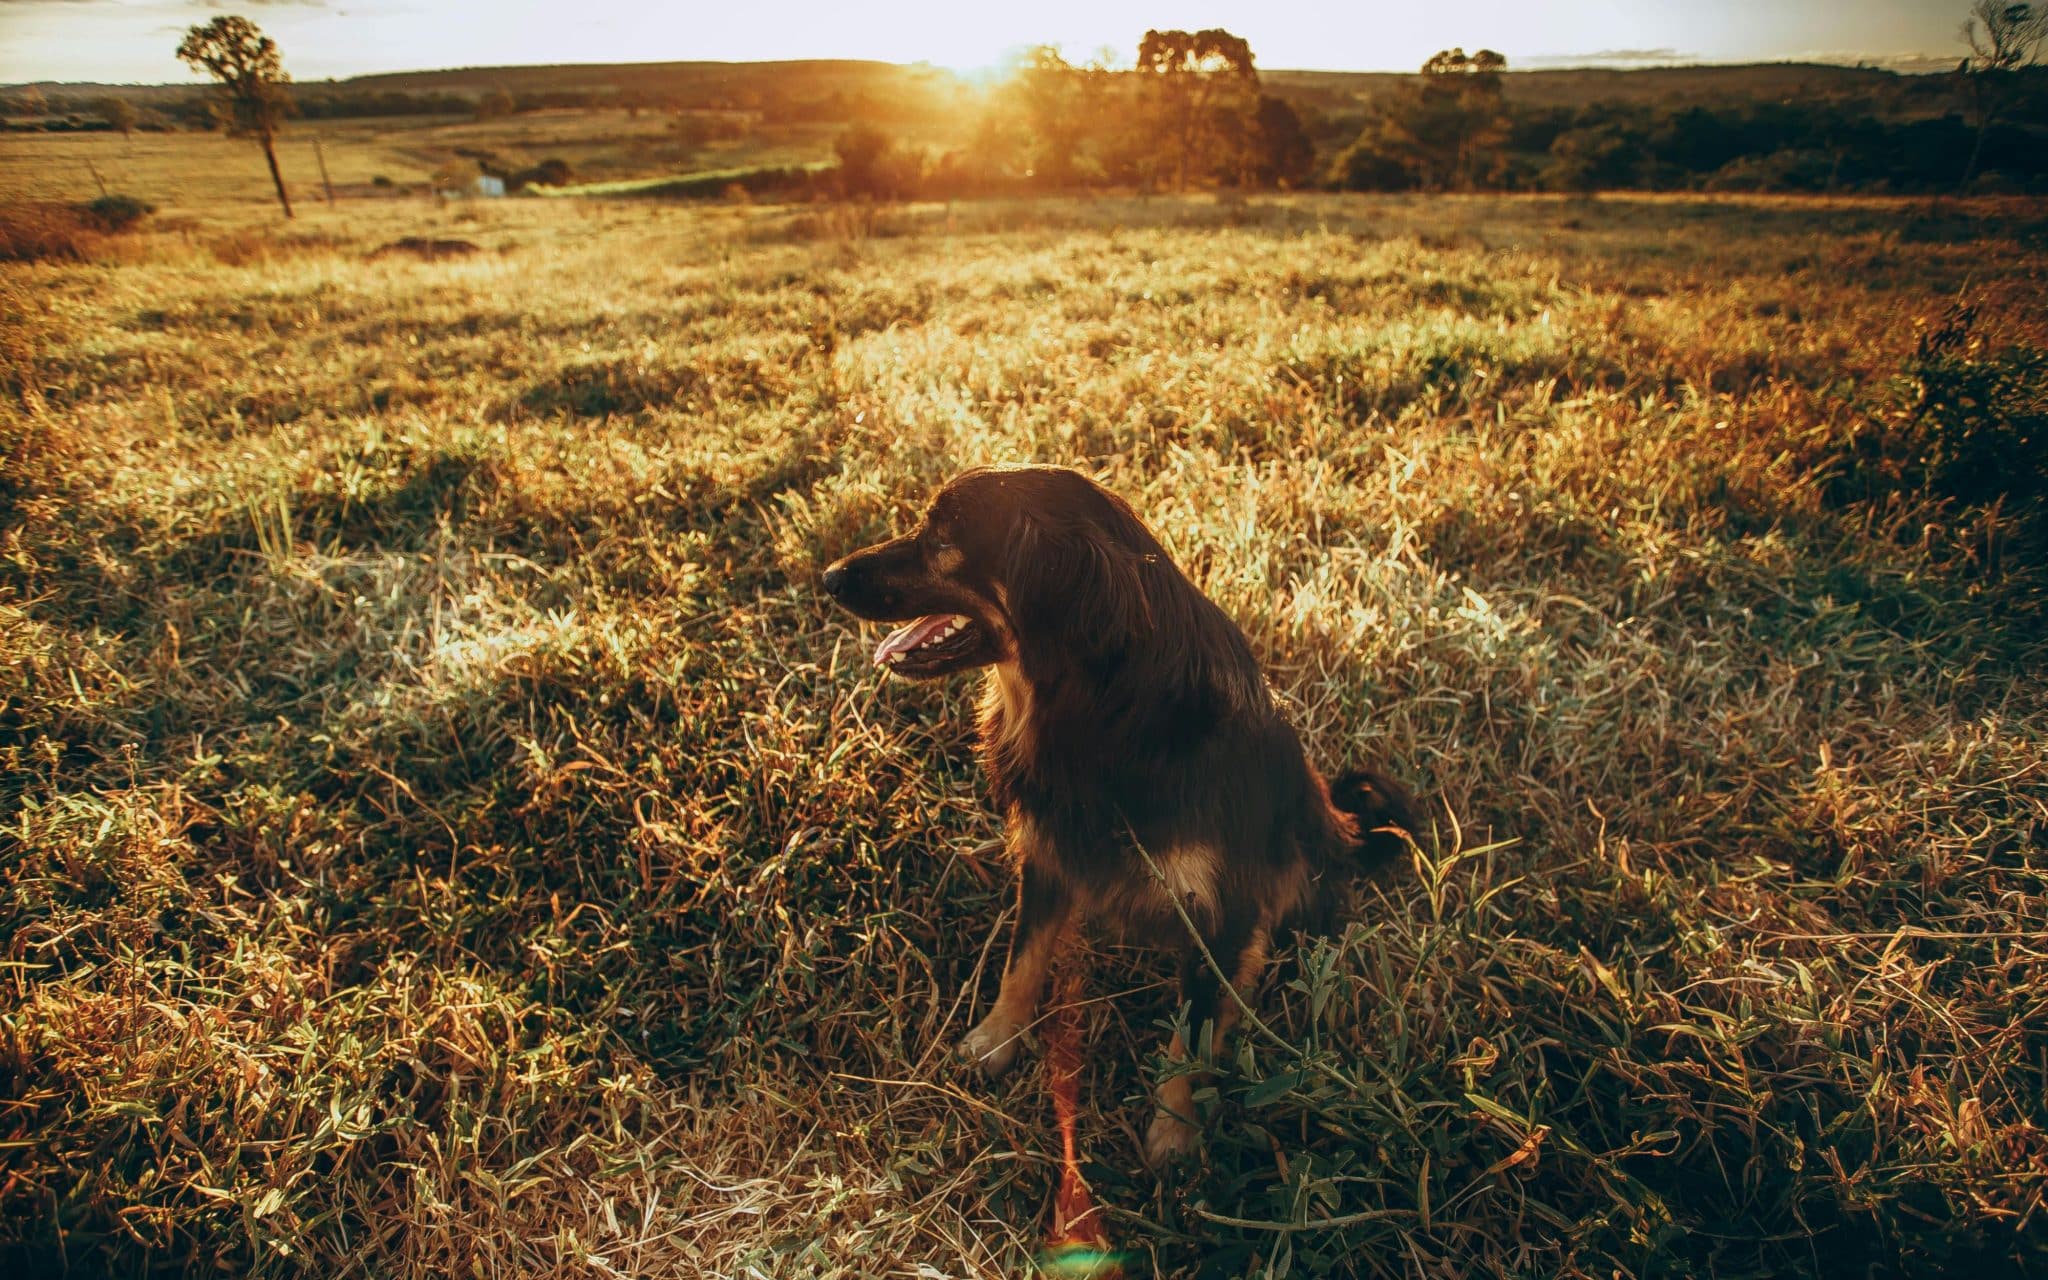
835 579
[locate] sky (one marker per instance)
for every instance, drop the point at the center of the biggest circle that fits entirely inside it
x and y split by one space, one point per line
132 41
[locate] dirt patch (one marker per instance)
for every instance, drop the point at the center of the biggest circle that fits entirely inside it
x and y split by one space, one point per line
428 250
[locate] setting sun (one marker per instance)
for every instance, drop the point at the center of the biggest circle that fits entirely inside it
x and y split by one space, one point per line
947 642
128 40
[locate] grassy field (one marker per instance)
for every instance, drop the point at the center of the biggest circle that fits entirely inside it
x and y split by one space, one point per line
219 173
446 832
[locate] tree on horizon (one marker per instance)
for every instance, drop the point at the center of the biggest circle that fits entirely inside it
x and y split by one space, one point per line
1198 72
235 52
2003 39
1460 110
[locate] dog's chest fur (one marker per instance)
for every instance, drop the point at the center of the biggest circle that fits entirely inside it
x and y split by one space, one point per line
1094 857
1007 740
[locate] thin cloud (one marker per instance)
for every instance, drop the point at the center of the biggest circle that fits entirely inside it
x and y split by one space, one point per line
1907 63
1607 58
1627 59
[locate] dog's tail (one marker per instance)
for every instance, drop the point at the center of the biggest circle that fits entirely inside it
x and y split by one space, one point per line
1376 803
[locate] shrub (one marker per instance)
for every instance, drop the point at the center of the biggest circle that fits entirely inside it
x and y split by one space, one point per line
1782 170
1373 163
552 172
117 212
1590 160
41 231
1980 427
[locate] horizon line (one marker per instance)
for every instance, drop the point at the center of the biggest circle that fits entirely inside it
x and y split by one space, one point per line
1868 62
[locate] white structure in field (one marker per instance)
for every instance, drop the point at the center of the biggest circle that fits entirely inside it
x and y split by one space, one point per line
482 187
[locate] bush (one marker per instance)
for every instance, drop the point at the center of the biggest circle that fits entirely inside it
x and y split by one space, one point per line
1590 160
876 165
40 231
117 212
552 172
1979 431
1372 163
1782 170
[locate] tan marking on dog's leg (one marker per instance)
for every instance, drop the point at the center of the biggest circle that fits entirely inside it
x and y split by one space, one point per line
1251 967
994 1042
1024 979
1173 1131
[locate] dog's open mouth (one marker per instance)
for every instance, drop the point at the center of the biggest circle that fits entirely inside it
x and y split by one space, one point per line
931 639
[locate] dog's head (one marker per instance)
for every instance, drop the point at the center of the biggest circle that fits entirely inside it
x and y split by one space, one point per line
1006 559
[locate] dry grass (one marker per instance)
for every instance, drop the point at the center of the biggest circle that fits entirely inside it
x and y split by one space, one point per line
45 231
445 832
206 169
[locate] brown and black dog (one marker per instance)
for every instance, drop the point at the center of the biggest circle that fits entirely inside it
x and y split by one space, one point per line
1130 740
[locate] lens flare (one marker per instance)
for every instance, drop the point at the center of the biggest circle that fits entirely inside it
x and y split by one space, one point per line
1078 1244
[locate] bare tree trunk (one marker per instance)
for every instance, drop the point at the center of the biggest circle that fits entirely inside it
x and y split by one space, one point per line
1979 92
270 154
1976 153
1187 140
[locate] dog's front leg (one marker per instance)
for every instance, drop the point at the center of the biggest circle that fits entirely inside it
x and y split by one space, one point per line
1044 912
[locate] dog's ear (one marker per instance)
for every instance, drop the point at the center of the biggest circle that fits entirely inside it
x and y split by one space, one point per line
1071 585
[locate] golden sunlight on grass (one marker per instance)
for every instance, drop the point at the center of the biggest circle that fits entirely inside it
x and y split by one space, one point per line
446 832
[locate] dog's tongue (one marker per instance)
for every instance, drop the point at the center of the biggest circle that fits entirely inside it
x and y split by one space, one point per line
904 639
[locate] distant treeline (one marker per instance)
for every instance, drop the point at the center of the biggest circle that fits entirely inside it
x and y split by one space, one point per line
1462 134
199 108
1194 112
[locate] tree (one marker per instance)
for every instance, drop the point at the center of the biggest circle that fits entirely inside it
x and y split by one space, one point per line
120 113
1048 96
31 102
1459 114
1590 159
494 104
1199 74
869 161
1484 67
2003 40
1282 155
455 174
252 77
1379 159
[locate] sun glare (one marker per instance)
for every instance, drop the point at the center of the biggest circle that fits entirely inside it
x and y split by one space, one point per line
112 41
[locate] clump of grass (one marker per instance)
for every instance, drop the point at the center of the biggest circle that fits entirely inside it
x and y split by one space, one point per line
115 213
51 231
445 831
46 231
248 246
1979 426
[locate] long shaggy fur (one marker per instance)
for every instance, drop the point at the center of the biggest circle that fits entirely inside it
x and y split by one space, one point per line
1130 739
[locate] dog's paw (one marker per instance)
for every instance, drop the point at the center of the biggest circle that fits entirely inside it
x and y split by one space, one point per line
993 1045
1169 1139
